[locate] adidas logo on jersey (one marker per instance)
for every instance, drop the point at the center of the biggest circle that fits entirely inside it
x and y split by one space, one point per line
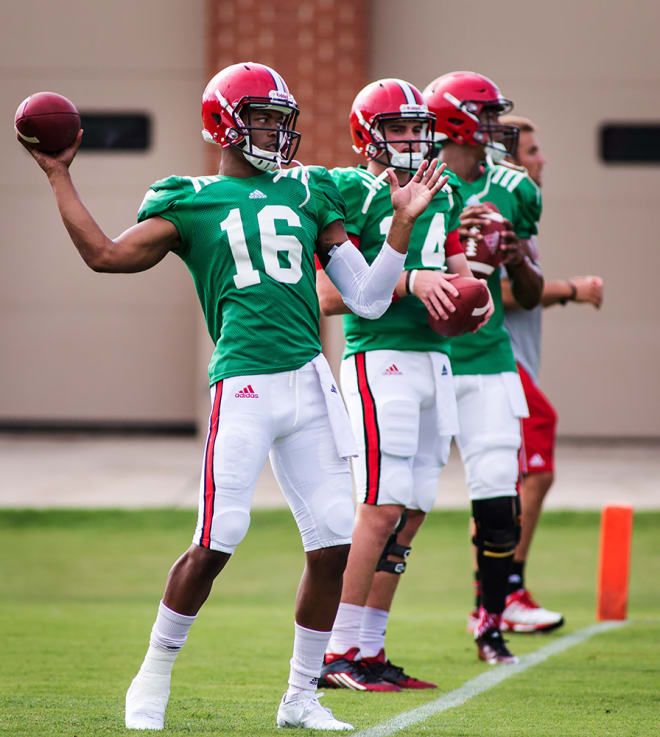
392 371
247 392
257 194
333 388
536 460
444 371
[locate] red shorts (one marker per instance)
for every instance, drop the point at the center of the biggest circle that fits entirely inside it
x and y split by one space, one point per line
537 450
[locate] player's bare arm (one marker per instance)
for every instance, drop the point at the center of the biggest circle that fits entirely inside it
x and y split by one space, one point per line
580 289
136 249
523 272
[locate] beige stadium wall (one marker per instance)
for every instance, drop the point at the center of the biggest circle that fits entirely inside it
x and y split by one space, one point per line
570 66
82 346
79 346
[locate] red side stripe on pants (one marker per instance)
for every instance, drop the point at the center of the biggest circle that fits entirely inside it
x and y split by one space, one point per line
371 434
209 481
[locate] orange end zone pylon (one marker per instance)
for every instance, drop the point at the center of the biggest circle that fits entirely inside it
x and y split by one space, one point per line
614 561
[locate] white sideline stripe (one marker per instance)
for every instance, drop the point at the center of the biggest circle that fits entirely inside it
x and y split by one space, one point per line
483 682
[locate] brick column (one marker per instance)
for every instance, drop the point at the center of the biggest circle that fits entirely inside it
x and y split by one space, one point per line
318 46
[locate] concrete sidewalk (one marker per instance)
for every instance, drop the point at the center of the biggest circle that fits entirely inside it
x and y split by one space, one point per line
63 470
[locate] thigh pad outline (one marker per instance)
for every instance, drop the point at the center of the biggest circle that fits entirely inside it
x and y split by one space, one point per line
398 421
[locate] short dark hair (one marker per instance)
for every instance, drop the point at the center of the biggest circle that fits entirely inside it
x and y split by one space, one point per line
525 124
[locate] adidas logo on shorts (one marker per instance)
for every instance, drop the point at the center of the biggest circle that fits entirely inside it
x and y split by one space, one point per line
536 460
392 371
247 392
257 194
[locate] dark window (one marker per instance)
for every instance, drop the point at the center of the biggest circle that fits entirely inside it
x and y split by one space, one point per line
630 143
115 131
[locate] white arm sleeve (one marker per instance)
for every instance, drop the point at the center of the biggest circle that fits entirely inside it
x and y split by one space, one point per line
366 290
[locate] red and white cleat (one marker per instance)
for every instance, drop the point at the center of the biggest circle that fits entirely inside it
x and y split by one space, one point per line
523 614
472 620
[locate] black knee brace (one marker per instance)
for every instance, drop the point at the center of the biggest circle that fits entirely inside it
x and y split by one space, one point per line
497 524
393 548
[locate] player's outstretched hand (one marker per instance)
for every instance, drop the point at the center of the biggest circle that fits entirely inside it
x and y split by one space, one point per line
588 289
411 201
50 163
432 287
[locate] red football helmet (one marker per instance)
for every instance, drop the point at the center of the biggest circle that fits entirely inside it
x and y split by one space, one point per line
467 107
229 102
390 99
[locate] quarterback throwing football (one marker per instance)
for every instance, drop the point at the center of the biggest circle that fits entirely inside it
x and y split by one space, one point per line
248 236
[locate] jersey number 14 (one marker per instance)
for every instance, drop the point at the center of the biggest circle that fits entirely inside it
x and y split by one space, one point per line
433 250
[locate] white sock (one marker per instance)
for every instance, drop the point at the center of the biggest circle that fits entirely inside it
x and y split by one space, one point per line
346 629
168 636
372 631
308 649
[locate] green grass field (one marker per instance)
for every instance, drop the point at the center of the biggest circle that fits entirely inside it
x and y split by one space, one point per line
79 591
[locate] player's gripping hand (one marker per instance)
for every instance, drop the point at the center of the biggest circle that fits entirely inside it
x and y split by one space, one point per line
588 289
471 219
432 287
52 163
411 200
513 249
487 315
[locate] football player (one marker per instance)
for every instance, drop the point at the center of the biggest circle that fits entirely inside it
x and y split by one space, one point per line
522 613
395 376
489 394
248 236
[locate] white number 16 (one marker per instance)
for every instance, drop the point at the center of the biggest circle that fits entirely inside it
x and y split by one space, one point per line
272 243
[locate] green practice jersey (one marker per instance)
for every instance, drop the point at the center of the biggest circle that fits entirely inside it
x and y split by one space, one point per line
369 213
517 197
249 245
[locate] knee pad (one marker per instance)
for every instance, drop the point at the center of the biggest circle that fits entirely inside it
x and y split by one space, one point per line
336 515
493 470
393 548
497 526
230 525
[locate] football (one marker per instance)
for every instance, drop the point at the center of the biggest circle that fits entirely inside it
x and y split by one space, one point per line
471 304
484 255
47 121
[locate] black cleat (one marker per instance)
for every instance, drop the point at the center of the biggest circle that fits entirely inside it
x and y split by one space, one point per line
386 671
492 648
344 671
